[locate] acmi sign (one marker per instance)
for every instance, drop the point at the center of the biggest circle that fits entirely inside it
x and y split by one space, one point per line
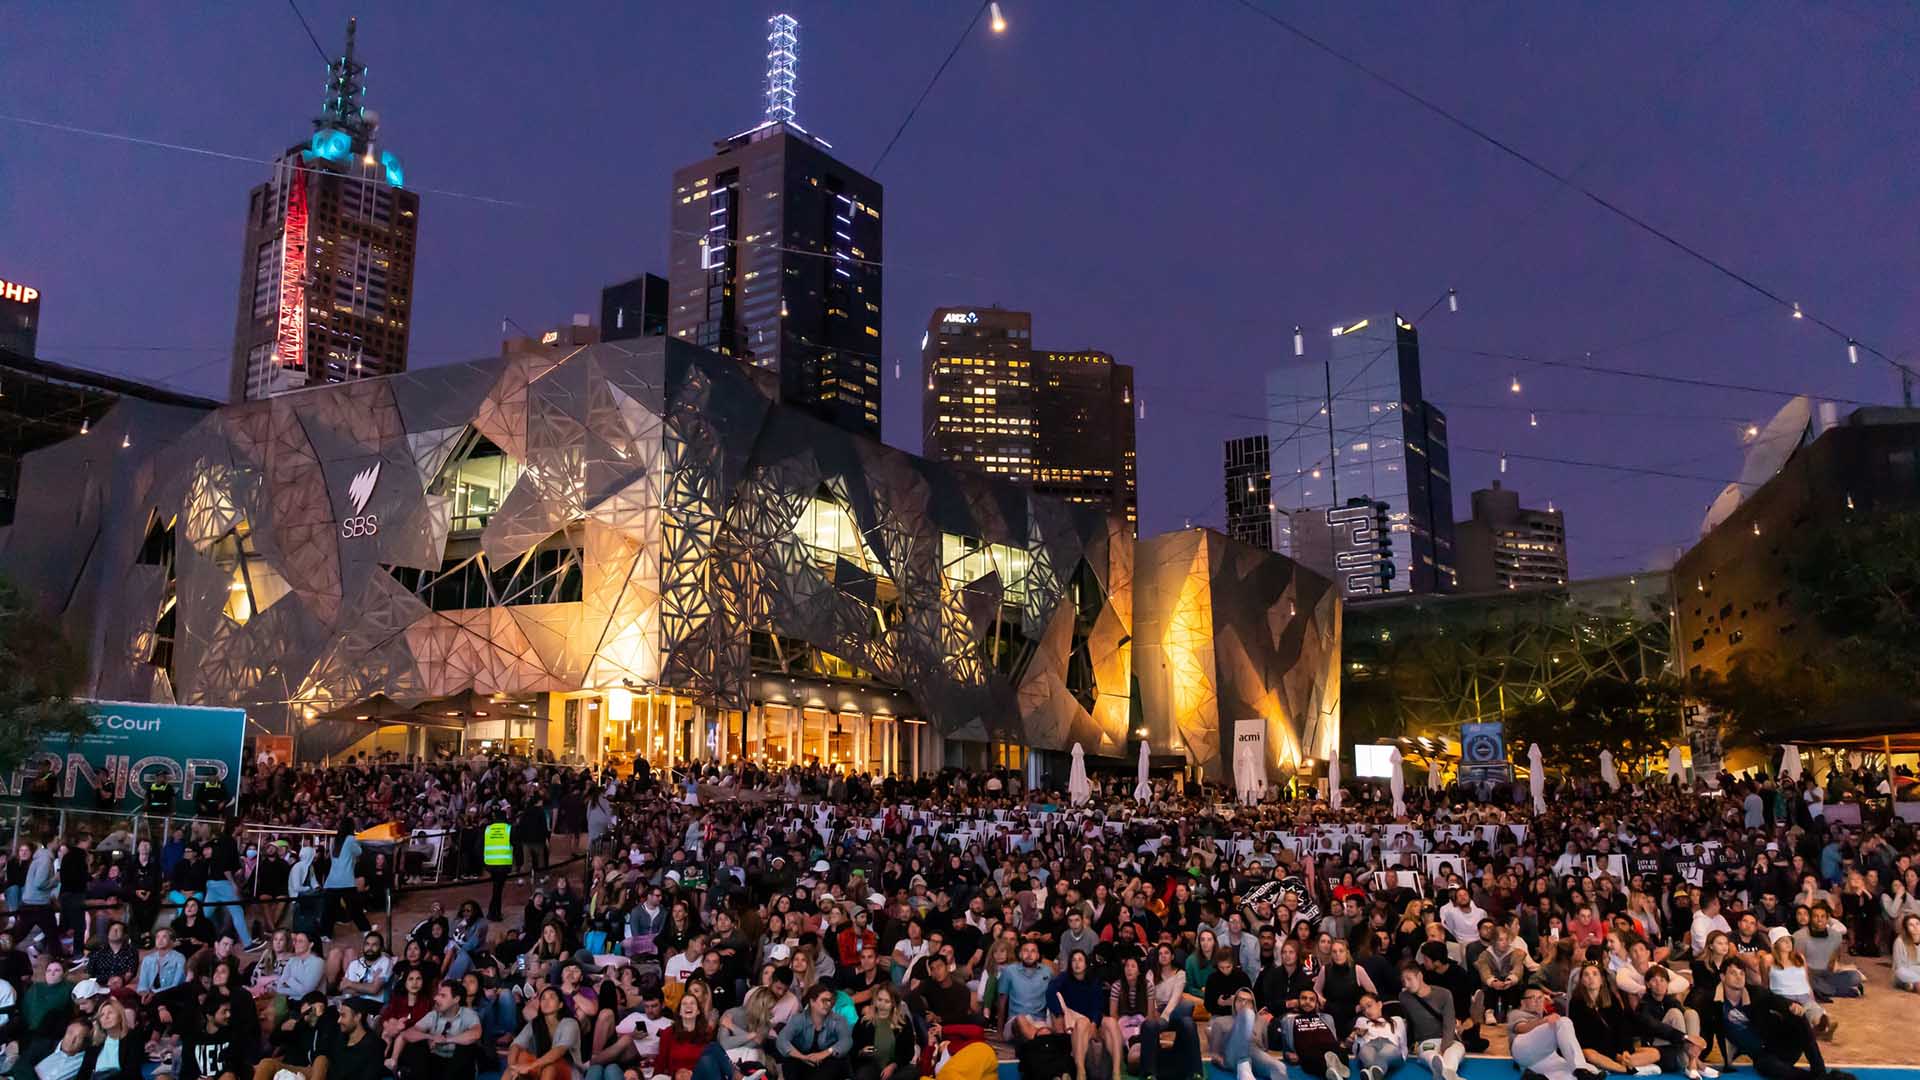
13 290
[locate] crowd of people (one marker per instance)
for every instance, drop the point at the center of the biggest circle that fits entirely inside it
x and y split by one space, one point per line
811 925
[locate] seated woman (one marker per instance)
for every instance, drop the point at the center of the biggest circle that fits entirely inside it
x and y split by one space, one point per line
1906 954
1606 1031
1239 1050
883 1042
1129 1003
747 1030
682 1044
1788 979
409 1002
548 1048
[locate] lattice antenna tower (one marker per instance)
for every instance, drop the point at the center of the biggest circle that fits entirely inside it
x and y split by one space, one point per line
783 54
346 85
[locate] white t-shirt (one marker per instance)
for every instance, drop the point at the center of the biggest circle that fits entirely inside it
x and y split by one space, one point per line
645 1032
679 966
375 972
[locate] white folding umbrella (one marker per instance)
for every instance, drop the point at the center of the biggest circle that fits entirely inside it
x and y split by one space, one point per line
1608 774
1333 780
1079 791
1537 778
1397 783
1142 791
1433 772
1790 763
1676 767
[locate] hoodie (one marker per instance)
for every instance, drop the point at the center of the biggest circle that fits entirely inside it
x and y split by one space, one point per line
40 883
301 879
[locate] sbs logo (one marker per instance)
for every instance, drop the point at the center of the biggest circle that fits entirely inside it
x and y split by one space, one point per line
359 490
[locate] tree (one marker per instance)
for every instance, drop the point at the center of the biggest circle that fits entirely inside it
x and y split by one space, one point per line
40 673
1858 578
1634 719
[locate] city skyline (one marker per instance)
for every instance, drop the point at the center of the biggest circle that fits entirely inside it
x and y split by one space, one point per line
1540 273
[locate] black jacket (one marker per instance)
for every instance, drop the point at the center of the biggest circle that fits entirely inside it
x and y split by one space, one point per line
904 1046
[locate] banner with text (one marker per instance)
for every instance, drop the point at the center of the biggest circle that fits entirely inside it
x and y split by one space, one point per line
130 745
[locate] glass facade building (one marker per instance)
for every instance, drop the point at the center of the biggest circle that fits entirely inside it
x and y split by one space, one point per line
1355 427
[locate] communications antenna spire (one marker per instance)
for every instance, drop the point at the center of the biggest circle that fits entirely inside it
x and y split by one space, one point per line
783 54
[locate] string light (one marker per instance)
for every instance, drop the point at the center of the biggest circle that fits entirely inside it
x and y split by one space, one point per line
1849 500
1532 420
1143 408
896 371
83 425
1299 342
783 307
1853 351
1753 431
1453 301
1514 386
999 22
1503 461
1796 310
1756 528
126 441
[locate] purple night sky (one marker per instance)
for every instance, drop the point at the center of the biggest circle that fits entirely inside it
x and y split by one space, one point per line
1176 183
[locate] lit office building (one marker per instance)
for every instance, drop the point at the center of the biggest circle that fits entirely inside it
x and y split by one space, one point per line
326 276
978 405
1249 491
1508 546
1083 406
775 257
1355 427
636 308
19 318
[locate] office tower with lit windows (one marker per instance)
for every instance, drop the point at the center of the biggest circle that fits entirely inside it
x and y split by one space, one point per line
1083 408
978 405
1355 427
326 276
1249 491
1061 422
1508 546
775 257
634 309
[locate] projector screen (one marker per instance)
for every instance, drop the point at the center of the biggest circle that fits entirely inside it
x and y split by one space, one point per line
1373 761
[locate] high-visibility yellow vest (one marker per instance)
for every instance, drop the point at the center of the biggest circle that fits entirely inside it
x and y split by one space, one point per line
497 844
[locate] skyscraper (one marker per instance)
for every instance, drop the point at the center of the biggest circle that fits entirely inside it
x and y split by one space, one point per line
978 407
633 309
1083 405
775 257
19 318
1249 491
1061 422
1355 427
326 272
1508 546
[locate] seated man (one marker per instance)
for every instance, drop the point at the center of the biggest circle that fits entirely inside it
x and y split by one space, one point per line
1433 1033
1023 995
1310 1039
1543 1043
1824 943
945 1000
1660 1011
366 975
301 1041
1769 1029
442 1043
815 1043
161 970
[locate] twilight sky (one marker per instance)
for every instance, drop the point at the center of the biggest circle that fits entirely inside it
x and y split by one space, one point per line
1177 183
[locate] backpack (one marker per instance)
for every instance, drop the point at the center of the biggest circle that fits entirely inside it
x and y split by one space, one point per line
1046 1057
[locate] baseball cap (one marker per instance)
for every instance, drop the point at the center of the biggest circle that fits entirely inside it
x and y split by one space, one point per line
89 988
779 954
821 867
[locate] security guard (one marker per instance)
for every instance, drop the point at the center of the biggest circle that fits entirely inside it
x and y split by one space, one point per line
496 851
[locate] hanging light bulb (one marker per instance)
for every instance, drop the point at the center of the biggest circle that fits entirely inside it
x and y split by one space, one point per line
1853 351
783 307
1532 420
1514 386
1849 500
1753 431
1143 408
999 21
1503 461
896 370
83 425
1756 528
1549 506
1299 342
1796 310
1453 301
126 441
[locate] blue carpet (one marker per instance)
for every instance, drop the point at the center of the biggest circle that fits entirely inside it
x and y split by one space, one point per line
1475 1068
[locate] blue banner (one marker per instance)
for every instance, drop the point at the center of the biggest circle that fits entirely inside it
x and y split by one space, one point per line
130 745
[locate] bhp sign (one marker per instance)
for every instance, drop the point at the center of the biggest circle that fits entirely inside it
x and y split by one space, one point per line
18 293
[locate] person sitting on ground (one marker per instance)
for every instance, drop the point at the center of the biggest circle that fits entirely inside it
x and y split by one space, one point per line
1769 1029
357 1051
160 970
1824 944
1789 977
1662 1004
1378 1042
302 1040
1542 1043
883 1042
816 1042
548 1048
1311 1039
366 975
1607 1031
1238 1049
442 1044
211 1049
1906 954
300 974
1433 1034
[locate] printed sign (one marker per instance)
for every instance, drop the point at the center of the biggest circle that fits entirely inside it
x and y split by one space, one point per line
130 745
1250 759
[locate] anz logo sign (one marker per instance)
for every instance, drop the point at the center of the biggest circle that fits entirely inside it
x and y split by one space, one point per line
359 490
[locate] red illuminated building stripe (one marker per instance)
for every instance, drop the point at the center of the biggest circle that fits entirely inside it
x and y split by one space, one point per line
291 348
